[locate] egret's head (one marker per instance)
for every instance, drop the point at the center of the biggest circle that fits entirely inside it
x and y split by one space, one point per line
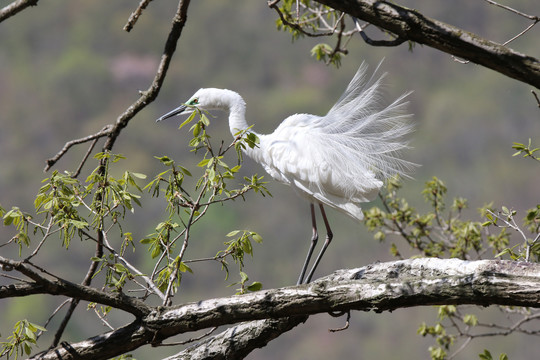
207 99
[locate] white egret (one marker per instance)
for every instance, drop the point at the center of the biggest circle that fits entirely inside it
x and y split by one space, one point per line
340 160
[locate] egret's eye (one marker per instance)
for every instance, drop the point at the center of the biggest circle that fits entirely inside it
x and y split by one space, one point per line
194 101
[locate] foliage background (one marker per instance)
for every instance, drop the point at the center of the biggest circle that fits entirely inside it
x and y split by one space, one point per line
67 69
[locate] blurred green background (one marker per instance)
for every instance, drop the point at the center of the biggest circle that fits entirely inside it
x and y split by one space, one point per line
67 69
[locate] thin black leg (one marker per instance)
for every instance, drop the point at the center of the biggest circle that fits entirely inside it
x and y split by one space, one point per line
314 239
329 237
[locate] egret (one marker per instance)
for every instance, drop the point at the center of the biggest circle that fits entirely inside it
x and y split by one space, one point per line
340 160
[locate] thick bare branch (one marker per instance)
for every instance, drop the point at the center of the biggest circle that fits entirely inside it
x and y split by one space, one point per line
41 284
411 25
237 342
378 287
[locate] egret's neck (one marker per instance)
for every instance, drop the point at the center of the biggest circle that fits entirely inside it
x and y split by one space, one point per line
237 119
237 114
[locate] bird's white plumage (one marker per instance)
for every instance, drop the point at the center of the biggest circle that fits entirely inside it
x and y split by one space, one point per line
340 159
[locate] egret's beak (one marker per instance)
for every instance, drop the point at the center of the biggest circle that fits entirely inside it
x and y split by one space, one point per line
179 110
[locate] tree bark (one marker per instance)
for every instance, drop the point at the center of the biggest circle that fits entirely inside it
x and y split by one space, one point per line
411 25
377 287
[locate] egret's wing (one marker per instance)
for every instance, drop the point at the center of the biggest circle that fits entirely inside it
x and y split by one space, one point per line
291 156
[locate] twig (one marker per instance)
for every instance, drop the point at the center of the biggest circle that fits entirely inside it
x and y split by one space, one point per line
74 302
536 97
531 17
521 33
133 268
174 275
53 315
135 15
397 41
344 327
45 236
295 26
15 7
189 340
511 223
83 161
52 161
461 348
338 48
102 318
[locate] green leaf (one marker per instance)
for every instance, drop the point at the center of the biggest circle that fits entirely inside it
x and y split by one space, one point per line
79 224
486 355
205 120
243 277
470 320
183 268
257 238
196 129
147 240
203 162
120 268
27 348
211 174
29 331
165 160
256 286
138 175
188 120
185 171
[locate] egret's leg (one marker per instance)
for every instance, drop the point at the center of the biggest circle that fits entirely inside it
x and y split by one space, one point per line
329 237
314 239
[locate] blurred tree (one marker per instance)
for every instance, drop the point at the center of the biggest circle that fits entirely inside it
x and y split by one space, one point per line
94 211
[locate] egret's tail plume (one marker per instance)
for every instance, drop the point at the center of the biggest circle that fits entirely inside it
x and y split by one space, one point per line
362 130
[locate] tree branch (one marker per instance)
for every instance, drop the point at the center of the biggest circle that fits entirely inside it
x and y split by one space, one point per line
52 161
237 342
377 287
411 25
15 7
43 285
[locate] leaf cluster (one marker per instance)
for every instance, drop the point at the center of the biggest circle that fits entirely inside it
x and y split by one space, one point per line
439 232
526 150
237 248
443 231
94 211
213 185
306 18
20 342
